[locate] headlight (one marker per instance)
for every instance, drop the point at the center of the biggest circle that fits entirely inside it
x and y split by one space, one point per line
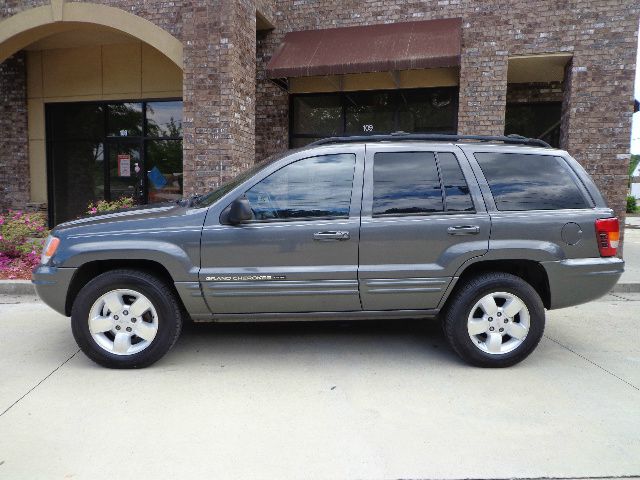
50 247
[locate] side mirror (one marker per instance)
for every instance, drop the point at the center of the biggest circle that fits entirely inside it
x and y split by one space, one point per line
240 211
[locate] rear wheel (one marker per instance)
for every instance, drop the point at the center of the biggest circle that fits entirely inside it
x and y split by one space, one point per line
126 319
494 320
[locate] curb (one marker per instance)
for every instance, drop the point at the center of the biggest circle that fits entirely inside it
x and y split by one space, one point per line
25 287
17 287
626 288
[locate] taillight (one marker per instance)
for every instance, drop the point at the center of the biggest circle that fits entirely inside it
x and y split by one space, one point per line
608 234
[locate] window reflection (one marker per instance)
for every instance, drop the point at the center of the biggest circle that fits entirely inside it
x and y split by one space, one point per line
319 114
456 190
406 183
164 119
424 110
80 136
124 120
371 108
164 170
535 120
530 182
316 187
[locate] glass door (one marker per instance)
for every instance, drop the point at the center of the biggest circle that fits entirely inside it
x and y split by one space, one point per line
125 176
110 150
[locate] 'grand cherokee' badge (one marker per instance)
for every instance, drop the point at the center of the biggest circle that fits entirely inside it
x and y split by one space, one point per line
244 278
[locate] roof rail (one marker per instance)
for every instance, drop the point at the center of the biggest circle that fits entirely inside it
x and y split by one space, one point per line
434 137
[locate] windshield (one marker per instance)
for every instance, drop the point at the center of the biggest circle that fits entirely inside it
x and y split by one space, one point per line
211 197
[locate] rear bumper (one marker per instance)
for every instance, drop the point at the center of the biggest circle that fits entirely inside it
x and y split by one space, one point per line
581 280
52 285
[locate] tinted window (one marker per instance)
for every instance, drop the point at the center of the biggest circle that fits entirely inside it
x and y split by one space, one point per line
164 119
530 182
124 120
315 116
457 196
370 108
313 187
535 120
406 183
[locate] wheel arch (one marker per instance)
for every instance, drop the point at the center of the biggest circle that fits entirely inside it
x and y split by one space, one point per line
90 270
530 271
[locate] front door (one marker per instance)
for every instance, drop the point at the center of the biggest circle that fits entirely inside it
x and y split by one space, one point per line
300 253
419 225
125 176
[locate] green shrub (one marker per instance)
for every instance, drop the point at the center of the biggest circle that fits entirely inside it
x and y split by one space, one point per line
103 206
632 205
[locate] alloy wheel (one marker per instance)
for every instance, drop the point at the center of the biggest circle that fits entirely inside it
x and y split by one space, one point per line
123 322
498 323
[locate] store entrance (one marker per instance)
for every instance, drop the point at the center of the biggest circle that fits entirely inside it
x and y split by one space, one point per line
111 150
125 174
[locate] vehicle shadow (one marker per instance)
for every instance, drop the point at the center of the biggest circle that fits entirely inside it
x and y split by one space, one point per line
387 340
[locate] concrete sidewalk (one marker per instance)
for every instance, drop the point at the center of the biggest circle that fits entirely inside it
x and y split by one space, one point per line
631 275
323 401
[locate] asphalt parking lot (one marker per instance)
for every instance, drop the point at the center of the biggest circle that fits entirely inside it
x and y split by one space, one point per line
362 400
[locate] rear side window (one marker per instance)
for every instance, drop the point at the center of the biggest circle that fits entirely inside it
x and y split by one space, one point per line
530 182
418 183
456 190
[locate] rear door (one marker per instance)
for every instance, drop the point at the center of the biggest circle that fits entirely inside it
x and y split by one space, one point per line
421 220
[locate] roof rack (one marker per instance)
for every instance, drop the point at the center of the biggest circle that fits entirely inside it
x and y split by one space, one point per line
434 137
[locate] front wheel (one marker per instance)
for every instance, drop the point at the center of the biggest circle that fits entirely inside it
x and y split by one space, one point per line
495 320
126 319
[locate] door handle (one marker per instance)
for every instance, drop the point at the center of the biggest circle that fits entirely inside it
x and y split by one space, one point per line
464 230
324 236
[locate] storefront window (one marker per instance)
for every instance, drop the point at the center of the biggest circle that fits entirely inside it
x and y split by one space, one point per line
108 150
426 110
164 119
535 120
124 120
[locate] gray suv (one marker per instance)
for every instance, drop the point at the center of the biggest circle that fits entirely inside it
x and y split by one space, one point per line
484 233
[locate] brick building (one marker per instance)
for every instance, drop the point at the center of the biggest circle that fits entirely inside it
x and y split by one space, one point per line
161 98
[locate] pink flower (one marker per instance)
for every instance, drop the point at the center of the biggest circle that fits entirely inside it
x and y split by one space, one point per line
1 220
93 210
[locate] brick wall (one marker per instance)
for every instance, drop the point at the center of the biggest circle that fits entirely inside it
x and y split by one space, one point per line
14 145
219 92
221 113
535 92
598 93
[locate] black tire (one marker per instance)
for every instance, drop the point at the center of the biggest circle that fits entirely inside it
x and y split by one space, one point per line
161 296
456 315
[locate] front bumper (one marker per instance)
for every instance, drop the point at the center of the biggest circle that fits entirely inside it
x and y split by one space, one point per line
52 285
581 280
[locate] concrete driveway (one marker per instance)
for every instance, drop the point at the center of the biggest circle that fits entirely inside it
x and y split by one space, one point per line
328 401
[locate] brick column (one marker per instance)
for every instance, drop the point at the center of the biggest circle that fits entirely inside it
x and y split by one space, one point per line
218 90
483 78
598 104
14 144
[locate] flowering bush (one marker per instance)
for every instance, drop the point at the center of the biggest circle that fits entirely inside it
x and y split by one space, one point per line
103 206
22 235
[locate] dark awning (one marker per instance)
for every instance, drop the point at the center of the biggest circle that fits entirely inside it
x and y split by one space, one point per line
372 48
